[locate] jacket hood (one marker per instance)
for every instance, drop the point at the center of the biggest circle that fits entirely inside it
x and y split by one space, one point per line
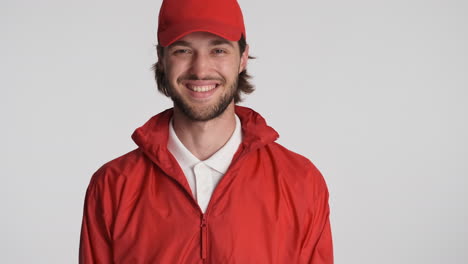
153 136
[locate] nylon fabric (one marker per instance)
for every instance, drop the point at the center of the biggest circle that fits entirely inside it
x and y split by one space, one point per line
271 206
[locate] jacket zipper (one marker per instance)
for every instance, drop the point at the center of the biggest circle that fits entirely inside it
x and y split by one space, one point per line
204 224
204 238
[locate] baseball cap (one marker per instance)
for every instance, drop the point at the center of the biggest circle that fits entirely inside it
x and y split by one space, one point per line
178 18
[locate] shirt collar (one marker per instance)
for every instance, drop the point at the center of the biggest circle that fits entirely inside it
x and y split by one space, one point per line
180 152
219 161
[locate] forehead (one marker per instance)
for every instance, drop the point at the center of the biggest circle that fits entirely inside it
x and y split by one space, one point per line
202 38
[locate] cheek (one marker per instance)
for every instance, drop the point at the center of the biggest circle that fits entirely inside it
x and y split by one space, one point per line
229 68
174 71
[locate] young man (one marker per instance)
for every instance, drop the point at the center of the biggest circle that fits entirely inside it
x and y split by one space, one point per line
207 183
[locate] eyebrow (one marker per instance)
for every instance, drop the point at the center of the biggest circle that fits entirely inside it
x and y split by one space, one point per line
221 42
180 43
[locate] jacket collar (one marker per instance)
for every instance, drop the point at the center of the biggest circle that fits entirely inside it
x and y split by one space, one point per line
153 136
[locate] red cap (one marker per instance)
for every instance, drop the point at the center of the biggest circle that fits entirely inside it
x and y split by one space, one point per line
178 18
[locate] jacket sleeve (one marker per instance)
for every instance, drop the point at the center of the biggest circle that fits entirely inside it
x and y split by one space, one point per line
95 240
317 246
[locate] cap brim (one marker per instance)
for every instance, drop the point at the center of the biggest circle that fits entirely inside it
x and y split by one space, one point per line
167 37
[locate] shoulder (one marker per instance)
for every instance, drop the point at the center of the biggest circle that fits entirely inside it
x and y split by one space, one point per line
116 182
289 156
291 159
297 168
117 171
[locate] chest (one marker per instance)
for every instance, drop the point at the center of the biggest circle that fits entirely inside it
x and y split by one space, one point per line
252 217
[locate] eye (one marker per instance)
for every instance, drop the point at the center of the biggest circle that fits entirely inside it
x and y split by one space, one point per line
219 51
182 51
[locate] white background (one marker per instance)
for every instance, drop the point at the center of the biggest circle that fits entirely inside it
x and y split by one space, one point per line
373 92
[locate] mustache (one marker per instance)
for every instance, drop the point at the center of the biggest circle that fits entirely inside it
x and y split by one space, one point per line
193 77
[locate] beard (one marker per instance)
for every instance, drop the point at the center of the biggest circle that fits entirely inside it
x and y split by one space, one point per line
206 113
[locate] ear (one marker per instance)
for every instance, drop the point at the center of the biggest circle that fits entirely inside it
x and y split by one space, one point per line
244 59
160 63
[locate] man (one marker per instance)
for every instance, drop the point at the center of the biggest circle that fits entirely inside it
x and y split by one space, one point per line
207 183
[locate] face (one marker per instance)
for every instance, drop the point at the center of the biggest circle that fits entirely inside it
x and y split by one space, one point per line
201 71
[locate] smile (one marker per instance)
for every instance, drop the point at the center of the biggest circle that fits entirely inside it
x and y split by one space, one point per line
204 88
201 86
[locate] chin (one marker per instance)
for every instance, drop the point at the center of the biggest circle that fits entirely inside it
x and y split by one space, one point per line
203 113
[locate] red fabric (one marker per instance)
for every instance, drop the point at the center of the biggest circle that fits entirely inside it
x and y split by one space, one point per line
178 18
270 207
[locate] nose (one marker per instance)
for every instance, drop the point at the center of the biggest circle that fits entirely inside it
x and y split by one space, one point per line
200 65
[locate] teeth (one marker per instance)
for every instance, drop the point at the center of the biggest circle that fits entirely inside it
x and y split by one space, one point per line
205 88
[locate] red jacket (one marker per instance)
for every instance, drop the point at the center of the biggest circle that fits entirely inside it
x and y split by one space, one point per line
271 206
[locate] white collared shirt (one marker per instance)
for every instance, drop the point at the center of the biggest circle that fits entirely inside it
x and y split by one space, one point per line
203 176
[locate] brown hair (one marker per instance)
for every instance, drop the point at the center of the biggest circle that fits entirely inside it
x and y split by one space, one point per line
243 84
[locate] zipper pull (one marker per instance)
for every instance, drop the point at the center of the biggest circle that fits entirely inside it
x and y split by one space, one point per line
204 237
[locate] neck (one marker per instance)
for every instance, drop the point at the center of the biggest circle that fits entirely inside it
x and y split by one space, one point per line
204 138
